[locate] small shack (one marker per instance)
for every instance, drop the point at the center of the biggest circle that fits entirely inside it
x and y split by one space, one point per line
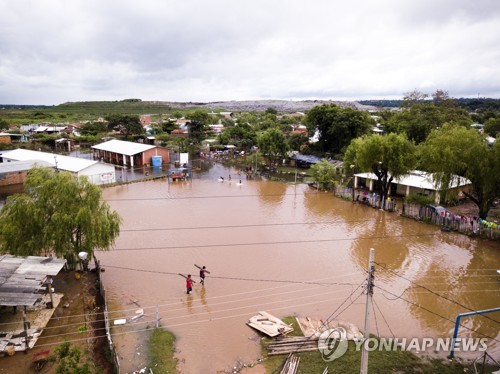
23 282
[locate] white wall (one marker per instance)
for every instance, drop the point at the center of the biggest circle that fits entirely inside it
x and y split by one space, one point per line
100 173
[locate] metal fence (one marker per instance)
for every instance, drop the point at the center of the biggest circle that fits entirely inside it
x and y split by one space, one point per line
452 222
112 347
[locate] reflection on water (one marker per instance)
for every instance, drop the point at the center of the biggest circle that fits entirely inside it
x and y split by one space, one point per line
288 250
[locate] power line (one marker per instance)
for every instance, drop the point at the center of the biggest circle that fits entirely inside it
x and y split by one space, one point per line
236 278
205 197
186 323
275 243
437 294
252 225
436 314
327 320
209 298
383 317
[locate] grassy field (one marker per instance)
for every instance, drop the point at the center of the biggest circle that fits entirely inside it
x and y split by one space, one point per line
88 110
379 362
161 351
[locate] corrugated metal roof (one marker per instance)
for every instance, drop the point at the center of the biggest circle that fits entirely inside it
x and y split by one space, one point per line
67 163
22 277
419 179
123 148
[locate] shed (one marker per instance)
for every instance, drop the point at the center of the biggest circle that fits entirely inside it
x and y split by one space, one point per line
129 154
304 161
21 278
98 173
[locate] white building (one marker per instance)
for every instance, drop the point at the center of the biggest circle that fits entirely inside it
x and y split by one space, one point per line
97 172
416 182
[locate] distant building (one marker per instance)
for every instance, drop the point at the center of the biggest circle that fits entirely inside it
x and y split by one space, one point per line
129 154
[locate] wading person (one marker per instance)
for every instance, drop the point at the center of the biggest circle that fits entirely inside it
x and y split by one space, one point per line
202 275
189 284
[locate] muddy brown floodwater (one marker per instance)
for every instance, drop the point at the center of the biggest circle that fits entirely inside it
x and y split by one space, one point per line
262 241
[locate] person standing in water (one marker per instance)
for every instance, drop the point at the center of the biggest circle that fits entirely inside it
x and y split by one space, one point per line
203 271
189 284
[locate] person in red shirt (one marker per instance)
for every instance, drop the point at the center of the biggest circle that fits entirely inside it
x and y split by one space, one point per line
189 284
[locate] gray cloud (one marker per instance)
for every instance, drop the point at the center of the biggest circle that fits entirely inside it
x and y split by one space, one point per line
53 51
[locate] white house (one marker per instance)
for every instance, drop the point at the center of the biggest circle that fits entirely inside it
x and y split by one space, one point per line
97 172
417 182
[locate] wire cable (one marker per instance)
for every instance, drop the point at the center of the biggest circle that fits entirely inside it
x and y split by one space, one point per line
383 317
437 294
278 242
437 314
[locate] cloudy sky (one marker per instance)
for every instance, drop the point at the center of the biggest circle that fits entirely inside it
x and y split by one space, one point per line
54 51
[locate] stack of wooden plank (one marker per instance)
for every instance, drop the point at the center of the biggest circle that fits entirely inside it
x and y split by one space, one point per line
292 344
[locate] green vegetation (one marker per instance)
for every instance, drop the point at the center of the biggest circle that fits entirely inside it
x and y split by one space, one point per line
86 110
456 150
68 360
337 127
161 351
58 214
323 173
388 157
379 362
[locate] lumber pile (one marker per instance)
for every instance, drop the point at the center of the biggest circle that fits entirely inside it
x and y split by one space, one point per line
292 344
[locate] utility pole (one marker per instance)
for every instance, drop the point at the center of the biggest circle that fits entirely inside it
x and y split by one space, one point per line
369 294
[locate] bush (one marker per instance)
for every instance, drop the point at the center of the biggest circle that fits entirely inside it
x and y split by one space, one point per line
419 199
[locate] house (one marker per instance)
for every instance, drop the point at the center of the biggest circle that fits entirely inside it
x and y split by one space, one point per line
130 154
217 128
416 182
304 161
145 119
13 174
97 172
51 129
7 138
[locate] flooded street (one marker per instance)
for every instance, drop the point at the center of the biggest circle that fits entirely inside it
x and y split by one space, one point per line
287 250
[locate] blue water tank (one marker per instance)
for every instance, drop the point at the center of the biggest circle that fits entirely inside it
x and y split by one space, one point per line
156 160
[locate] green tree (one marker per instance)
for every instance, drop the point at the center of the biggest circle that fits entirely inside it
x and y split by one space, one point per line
337 126
4 125
323 173
198 126
58 214
126 124
241 135
272 144
297 142
388 157
168 126
93 128
457 151
419 117
68 360
492 127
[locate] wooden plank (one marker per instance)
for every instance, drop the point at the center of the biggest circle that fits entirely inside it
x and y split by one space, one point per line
292 351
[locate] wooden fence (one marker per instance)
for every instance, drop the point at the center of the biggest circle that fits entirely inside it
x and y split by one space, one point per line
452 222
